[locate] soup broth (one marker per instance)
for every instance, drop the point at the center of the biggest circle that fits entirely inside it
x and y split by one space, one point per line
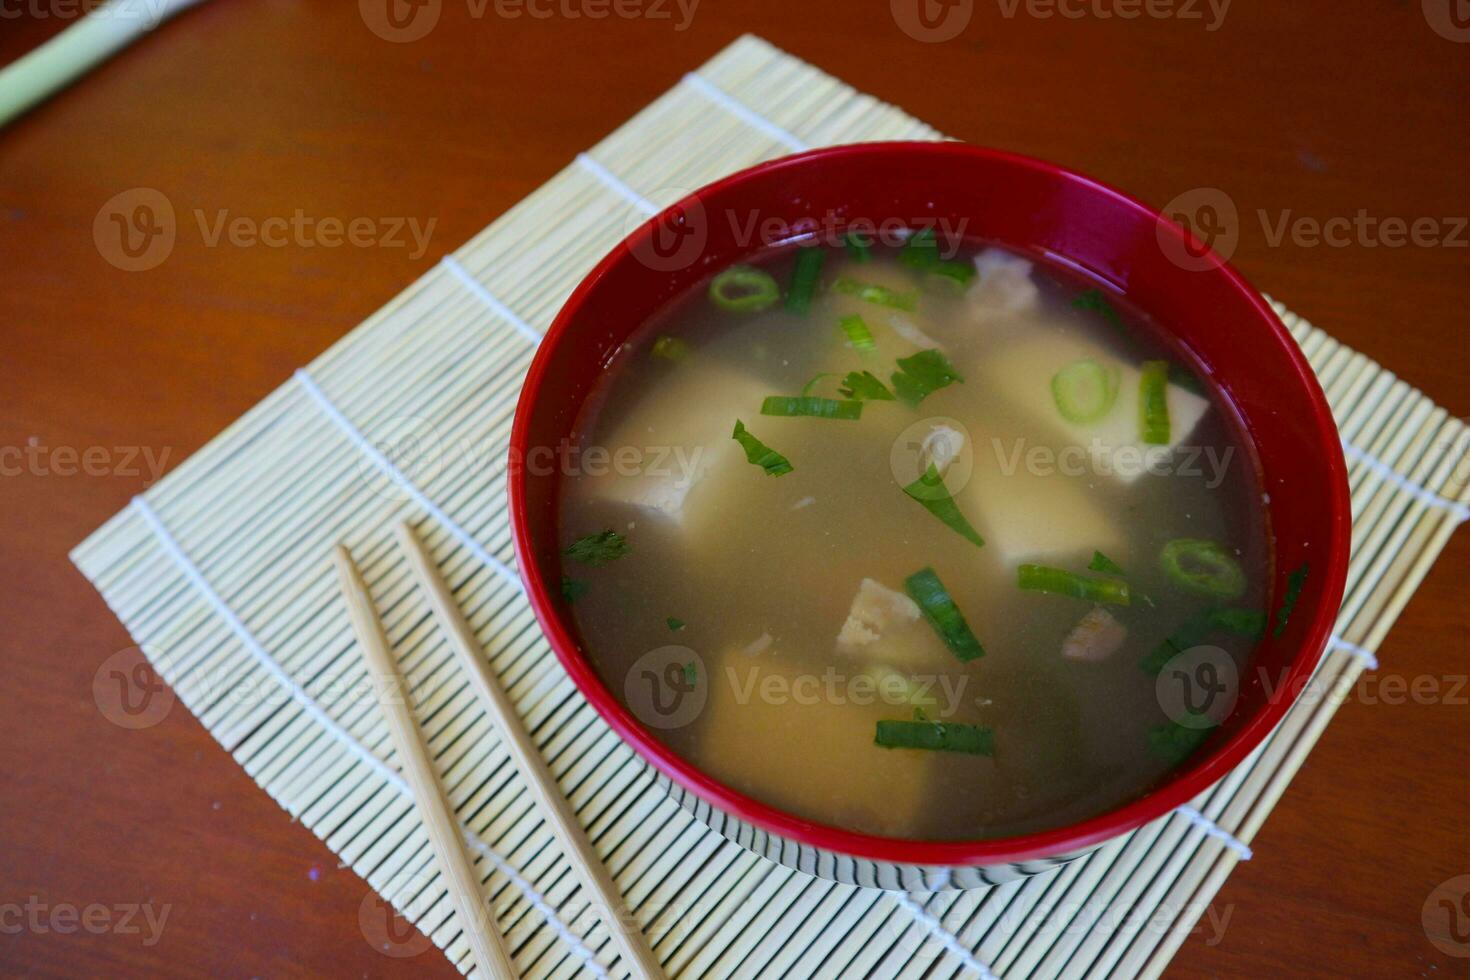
955 547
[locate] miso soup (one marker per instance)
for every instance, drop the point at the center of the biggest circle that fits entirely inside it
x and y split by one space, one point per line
901 537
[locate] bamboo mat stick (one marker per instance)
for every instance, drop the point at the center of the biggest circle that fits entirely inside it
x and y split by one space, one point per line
444 834
553 805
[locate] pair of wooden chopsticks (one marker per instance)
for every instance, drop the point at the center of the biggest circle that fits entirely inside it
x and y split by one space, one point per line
485 939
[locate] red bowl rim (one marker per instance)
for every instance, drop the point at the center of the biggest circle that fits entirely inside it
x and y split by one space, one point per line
1183 784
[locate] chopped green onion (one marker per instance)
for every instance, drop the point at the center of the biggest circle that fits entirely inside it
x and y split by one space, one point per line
1203 567
880 295
1092 299
1175 742
598 549
759 453
864 386
811 406
744 289
1245 622
858 246
938 607
1153 403
923 374
671 348
956 275
1294 582
1084 391
804 276
921 250
938 736
858 334
930 491
675 625
691 672
1059 581
572 590
1102 563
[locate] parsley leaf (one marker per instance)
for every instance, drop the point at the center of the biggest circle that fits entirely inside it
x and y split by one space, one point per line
598 549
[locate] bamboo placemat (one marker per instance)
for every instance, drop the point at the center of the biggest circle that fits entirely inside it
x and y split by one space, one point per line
221 575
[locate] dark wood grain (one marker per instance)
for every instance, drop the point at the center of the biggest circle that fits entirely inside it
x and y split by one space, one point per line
265 108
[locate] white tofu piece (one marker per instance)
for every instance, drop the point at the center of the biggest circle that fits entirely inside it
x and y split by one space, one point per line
875 610
759 708
1026 515
1022 372
1003 285
1096 638
678 450
884 630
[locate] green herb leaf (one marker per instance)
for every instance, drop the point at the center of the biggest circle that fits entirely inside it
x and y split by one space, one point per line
864 386
1102 563
1294 583
572 590
811 406
804 276
939 609
937 736
759 453
675 625
1191 633
922 374
598 549
671 348
858 246
691 672
878 295
1245 622
858 333
921 250
1093 299
1175 742
955 276
930 491
1059 581
1203 567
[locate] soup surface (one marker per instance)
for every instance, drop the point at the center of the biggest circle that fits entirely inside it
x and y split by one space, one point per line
982 556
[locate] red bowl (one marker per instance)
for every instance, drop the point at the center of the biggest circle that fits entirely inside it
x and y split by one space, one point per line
1034 207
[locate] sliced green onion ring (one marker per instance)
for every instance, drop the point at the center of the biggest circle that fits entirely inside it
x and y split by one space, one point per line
744 289
1203 567
870 292
1084 391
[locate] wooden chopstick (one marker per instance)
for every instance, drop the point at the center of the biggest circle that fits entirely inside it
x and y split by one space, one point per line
445 835
631 943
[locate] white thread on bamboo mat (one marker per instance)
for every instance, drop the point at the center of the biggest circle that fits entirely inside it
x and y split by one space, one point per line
617 184
1369 658
488 298
1214 830
1390 475
383 463
349 741
745 113
946 938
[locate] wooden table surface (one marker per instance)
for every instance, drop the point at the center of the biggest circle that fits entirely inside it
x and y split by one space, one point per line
258 110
